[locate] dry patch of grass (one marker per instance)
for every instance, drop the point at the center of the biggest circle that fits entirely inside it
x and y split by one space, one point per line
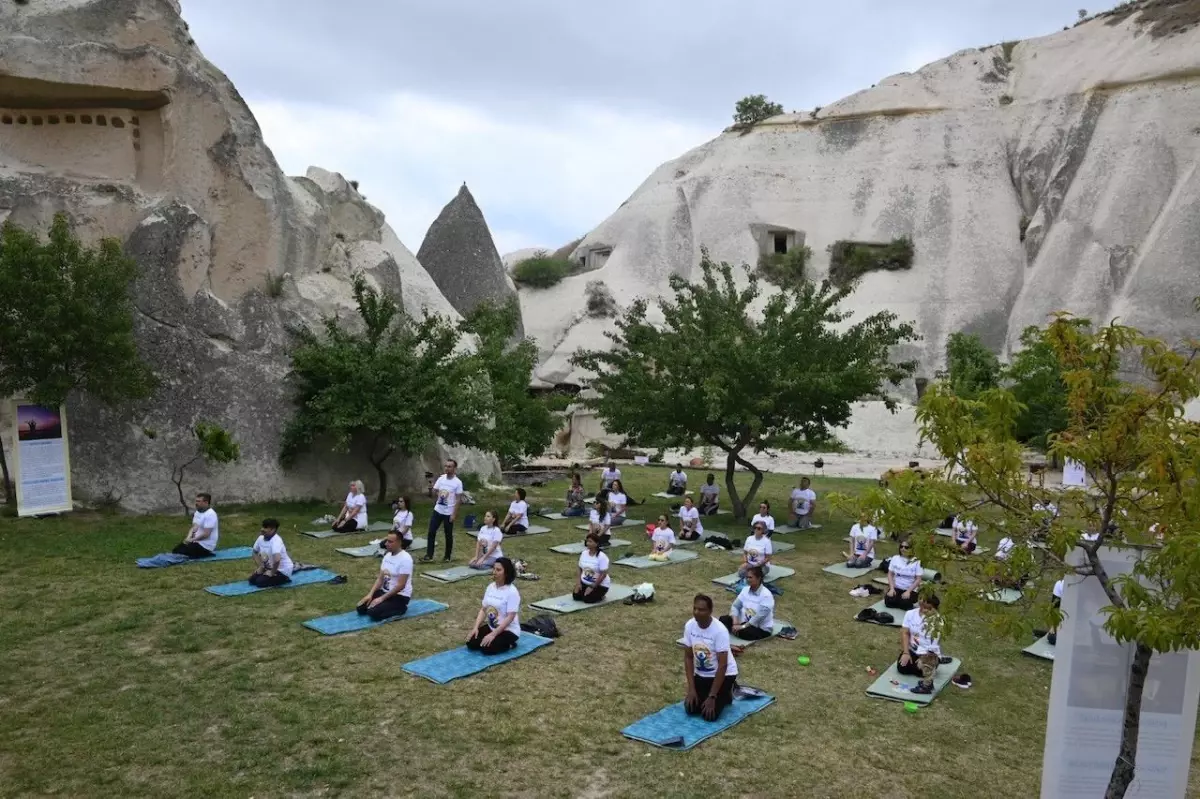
121 682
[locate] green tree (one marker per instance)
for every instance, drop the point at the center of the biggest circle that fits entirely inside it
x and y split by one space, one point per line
1143 458
729 371
66 322
214 444
755 108
1036 381
971 368
523 425
399 384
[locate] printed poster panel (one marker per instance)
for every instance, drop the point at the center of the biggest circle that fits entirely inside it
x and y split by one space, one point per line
43 464
1087 702
1074 474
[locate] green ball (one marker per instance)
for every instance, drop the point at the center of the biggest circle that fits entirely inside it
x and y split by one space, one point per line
803 660
911 707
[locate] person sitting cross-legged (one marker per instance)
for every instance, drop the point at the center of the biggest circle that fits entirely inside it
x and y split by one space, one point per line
517 519
201 540
904 580
662 540
575 505
353 515
764 516
677 481
757 551
690 528
498 626
610 475
863 536
402 519
752 616
965 532
272 566
708 664
593 581
392 591
710 497
600 521
920 650
487 543
617 502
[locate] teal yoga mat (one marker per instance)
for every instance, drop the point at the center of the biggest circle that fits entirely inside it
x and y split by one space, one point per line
353 621
673 728
897 687
461 662
243 587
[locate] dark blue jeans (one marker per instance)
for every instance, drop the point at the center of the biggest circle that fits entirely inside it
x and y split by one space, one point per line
437 520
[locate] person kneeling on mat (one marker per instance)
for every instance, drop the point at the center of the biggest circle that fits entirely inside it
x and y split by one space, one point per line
752 616
965 532
517 519
757 551
677 481
390 594
272 566
593 581
662 541
617 501
920 652
690 528
575 506
803 504
904 580
497 627
600 521
487 543
708 662
710 496
863 536
353 515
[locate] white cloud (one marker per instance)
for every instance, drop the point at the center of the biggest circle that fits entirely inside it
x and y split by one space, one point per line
540 180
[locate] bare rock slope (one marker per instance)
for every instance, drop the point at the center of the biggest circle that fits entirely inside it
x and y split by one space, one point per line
1055 173
109 113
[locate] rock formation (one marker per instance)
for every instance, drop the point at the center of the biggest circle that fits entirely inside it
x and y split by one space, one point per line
1055 173
459 253
127 128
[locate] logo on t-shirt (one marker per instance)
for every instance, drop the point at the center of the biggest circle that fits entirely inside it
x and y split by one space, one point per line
750 613
753 555
703 657
443 495
492 615
589 576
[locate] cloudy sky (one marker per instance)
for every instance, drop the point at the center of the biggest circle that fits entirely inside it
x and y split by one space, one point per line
554 111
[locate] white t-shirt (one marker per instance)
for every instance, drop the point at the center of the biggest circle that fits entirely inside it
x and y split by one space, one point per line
769 520
607 477
1004 548
395 565
498 603
489 534
802 499
1091 536
662 538
709 492
520 509
706 644
914 622
207 520
1058 589
861 535
757 609
757 549
905 572
678 479
269 549
963 530
591 565
605 522
448 490
358 501
403 520
691 515
617 502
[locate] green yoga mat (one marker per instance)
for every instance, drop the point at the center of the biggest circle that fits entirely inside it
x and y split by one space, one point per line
707 534
558 517
776 629
720 512
644 562
879 607
1005 596
665 495
1041 648
776 573
883 688
577 547
842 570
776 546
373 527
456 574
627 523
374 550
564 603
534 529
927 575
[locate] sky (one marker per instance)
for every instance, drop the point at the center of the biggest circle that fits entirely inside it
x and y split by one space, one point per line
554 111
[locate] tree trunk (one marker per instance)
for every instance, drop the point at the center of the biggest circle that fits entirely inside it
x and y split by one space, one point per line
10 494
739 504
381 472
1123 769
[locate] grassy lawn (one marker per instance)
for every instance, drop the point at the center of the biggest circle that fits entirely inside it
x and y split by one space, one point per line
116 681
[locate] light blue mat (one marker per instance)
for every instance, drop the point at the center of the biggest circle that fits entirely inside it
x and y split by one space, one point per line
627 523
1041 648
897 687
462 662
534 529
456 573
776 573
776 546
577 547
644 562
171 559
842 570
673 728
376 551
373 527
353 621
308 577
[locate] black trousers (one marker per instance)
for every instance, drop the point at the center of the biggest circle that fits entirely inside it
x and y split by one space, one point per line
704 687
515 529
395 606
348 526
437 520
970 546
269 581
592 596
749 633
502 643
708 510
192 549
677 491
898 602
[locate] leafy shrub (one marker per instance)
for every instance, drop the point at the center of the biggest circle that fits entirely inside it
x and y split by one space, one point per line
849 260
754 109
541 271
785 269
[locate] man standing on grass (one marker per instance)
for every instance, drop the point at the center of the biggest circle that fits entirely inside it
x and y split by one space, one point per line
446 492
201 540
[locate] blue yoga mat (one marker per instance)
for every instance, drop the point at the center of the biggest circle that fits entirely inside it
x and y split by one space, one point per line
242 587
352 621
462 662
673 728
165 559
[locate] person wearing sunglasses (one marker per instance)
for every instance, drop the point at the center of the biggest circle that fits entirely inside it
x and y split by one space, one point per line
757 551
662 540
904 579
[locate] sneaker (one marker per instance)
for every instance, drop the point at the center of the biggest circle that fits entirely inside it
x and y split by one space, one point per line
1052 639
447 559
427 558
923 688
945 660
859 592
962 681
788 633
